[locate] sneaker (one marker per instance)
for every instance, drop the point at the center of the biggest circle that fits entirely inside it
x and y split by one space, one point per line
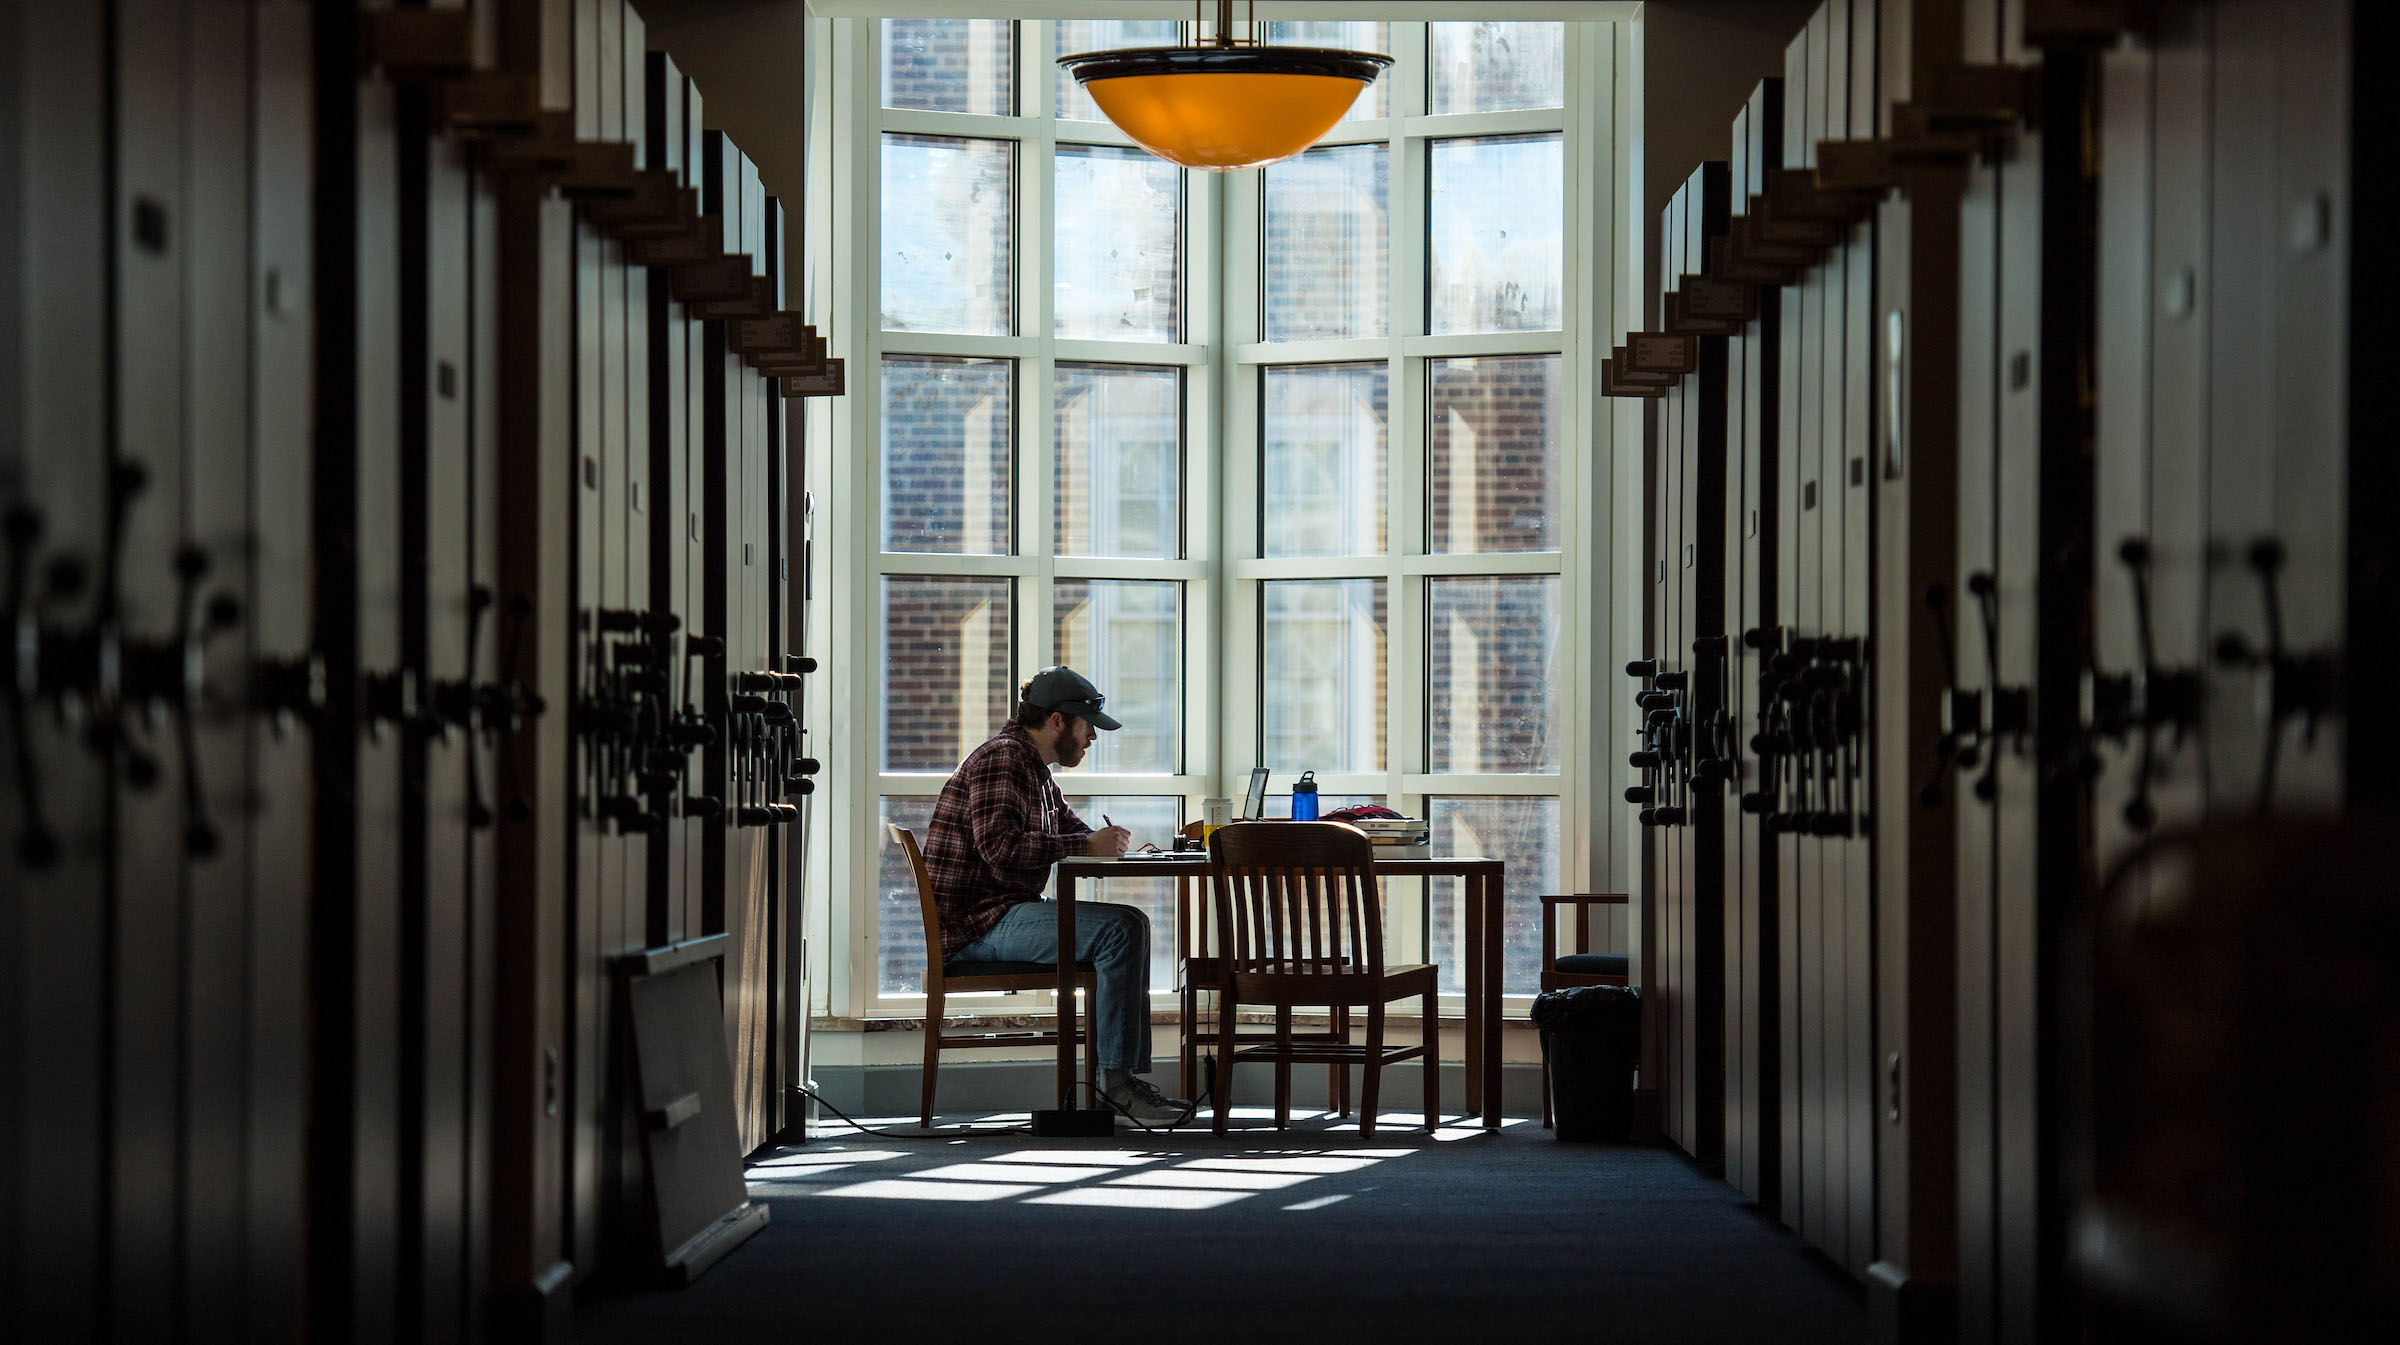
1140 1101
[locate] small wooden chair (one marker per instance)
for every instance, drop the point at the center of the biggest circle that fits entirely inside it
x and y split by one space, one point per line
1581 967
964 978
1300 920
1194 941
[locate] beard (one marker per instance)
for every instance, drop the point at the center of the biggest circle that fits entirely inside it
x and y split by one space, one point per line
1070 753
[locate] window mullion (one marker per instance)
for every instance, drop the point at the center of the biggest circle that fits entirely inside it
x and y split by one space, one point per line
1204 598
855 959
1241 198
1405 649
1037 505
1406 646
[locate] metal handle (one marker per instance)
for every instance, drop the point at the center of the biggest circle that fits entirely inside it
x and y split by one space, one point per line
37 844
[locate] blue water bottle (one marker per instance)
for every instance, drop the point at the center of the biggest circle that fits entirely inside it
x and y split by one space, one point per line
1304 798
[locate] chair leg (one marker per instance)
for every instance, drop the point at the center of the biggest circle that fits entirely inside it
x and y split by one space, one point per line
1337 1077
1224 1084
933 1058
1283 1066
1187 1055
1433 1066
1370 1092
1091 1041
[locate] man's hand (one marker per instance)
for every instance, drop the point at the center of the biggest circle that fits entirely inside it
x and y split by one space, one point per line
1107 842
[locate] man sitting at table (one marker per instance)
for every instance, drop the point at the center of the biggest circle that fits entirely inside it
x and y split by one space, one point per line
998 827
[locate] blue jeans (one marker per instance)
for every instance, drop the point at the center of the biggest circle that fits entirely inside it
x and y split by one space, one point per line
1115 940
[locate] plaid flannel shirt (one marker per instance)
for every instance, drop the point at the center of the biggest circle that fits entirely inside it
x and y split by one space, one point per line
997 828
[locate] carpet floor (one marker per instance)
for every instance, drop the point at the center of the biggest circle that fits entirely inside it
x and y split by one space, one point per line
1307 1234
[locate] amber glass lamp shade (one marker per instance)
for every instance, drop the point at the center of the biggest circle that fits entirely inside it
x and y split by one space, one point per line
1225 108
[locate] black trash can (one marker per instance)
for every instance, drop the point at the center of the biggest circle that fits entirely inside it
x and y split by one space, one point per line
1592 1041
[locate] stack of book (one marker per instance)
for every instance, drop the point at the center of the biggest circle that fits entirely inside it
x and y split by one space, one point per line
1412 832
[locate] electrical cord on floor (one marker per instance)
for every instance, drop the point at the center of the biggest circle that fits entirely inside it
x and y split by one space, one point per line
965 1132
863 1128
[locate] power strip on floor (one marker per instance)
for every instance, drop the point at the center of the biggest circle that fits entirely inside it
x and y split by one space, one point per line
1070 1123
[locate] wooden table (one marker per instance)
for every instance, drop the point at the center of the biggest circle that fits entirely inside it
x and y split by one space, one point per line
1485 879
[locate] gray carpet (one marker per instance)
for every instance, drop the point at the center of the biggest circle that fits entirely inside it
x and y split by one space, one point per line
1309 1234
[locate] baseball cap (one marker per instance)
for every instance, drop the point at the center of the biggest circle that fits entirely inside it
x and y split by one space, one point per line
1067 691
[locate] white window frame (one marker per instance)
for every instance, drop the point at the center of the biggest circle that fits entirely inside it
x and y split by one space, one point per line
1221 570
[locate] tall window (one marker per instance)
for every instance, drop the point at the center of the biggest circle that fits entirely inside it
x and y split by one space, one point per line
1285 461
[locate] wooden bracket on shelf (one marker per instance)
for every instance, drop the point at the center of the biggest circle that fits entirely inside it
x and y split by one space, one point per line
1879 166
1979 101
1765 227
1754 240
697 241
487 103
777 333
806 352
597 168
1729 261
1627 375
827 382
755 300
547 147
1707 306
415 43
1662 353
806 356
659 206
1610 387
723 277
2080 22
677 220
1798 194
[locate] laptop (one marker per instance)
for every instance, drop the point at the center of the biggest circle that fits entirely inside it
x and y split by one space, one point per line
1254 803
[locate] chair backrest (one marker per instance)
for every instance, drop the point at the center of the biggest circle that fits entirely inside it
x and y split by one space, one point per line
1298 893
907 841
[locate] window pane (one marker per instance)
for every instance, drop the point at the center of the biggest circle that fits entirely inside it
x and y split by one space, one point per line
1523 834
1119 254
1322 643
947 226
1150 819
1492 455
1326 241
1493 686
1496 225
947 430
949 65
899 923
1496 67
945 669
1376 101
1119 460
1126 635
1080 35
1322 460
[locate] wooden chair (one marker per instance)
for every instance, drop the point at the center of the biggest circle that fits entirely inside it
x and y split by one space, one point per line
1195 942
1581 967
1300 922
965 978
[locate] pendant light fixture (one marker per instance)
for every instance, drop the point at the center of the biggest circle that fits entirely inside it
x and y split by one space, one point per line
1228 105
